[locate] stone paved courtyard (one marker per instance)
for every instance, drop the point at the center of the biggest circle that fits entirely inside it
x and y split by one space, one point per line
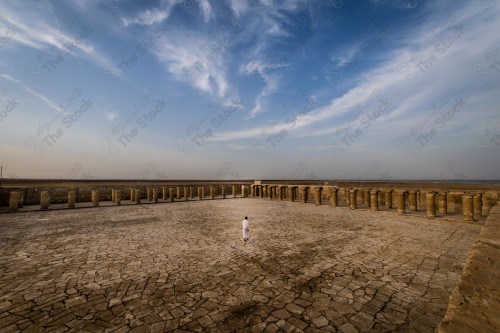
183 266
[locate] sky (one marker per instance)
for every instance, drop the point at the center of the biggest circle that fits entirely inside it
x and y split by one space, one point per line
250 89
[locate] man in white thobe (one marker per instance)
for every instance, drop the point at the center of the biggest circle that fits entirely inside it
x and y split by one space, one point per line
245 229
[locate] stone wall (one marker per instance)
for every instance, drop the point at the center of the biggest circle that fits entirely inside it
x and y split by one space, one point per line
474 305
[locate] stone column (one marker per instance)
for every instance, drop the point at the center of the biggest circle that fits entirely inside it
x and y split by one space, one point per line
44 200
352 198
118 197
400 199
178 195
388 199
252 191
486 206
366 197
137 196
113 194
243 191
374 200
171 194
14 201
95 198
132 195
71 198
186 194
150 194
412 200
261 191
155 195
291 193
223 191
304 193
270 192
334 197
200 192
430 204
212 192
234 191
281 193
468 207
191 192
318 195
442 203
478 204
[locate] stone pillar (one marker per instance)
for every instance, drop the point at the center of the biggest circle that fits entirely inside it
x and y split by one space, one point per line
95 198
412 200
223 191
71 198
334 197
486 206
14 201
178 188
252 191
186 194
270 192
400 199
388 199
171 194
234 191
132 195
430 204
149 194
304 193
478 204
155 195
113 194
243 191
200 192
352 198
118 197
191 192
44 200
212 192
261 192
374 200
366 197
442 203
318 195
281 193
137 196
291 193
468 207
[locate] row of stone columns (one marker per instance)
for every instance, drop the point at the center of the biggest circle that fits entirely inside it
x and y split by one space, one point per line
152 194
472 203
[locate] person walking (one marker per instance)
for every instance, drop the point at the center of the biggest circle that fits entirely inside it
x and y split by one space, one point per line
246 229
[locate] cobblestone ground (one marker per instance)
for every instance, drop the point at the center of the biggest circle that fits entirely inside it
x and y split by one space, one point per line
183 266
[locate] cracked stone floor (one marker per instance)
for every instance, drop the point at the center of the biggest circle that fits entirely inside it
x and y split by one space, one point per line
184 267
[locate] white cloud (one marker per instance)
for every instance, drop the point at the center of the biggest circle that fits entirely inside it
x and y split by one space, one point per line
148 17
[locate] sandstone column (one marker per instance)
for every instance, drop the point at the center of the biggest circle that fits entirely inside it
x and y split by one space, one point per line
118 197
212 192
252 191
71 198
304 193
44 200
478 205
282 193
223 191
14 201
132 195
186 193
95 198
334 197
178 192
164 194
113 194
468 207
430 204
171 194
318 195
200 192
271 192
243 191
442 203
234 191
261 191
291 192
412 200
400 199
150 194
374 200
155 195
137 196
388 199
191 192
352 198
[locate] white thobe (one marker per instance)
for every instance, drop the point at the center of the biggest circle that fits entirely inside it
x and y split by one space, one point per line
245 229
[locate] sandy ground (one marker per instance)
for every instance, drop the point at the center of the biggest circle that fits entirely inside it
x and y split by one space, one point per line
184 266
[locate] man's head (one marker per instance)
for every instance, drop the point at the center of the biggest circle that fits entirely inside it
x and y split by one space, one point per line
246 218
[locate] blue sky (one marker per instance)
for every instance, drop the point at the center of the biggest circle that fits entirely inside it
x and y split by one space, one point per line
262 89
